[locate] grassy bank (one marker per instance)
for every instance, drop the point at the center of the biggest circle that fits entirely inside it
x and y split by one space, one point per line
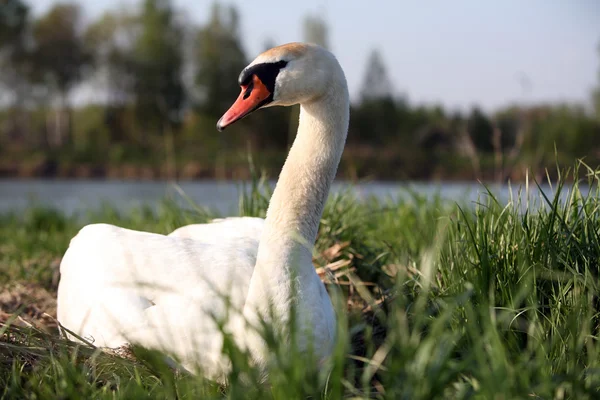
438 300
191 161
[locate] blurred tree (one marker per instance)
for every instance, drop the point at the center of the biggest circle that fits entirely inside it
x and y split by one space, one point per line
14 49
157 68
565 126
60 58
375 121
596 93
13 22
110 40
315 31
376 84
511 124
220 59
481 130
15 65
376 117
59 49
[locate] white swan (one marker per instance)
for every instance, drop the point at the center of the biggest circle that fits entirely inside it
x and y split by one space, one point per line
120 286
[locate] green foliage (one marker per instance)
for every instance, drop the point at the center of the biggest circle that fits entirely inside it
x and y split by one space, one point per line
377 83
157 63
220 59
59 50
484 300
89 131
16 64
13 21
481 130
379 121
566 128
596 93
109 40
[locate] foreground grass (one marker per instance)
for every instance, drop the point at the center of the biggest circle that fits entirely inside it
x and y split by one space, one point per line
487 300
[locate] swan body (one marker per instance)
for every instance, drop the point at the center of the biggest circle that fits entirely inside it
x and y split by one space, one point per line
138 287
179 293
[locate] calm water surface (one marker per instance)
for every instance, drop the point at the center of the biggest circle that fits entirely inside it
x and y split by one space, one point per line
73 196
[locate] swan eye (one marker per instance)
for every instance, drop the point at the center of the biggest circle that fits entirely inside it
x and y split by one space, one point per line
248 89
266 72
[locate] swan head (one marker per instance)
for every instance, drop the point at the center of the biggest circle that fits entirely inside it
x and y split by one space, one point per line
285 75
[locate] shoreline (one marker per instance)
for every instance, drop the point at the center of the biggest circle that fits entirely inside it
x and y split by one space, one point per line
193 172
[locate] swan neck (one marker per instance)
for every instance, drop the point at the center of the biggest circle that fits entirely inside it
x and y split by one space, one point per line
299 198
284 260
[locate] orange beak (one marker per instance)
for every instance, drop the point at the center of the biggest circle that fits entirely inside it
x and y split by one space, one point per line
253 96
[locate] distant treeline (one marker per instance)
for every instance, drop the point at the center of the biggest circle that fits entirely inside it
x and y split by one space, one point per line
155 85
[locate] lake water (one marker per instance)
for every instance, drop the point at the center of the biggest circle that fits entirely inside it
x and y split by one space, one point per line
72 196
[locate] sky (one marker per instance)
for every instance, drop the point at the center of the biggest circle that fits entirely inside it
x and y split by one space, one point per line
455 53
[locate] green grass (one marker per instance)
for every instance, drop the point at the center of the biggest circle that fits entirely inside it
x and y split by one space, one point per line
438 300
